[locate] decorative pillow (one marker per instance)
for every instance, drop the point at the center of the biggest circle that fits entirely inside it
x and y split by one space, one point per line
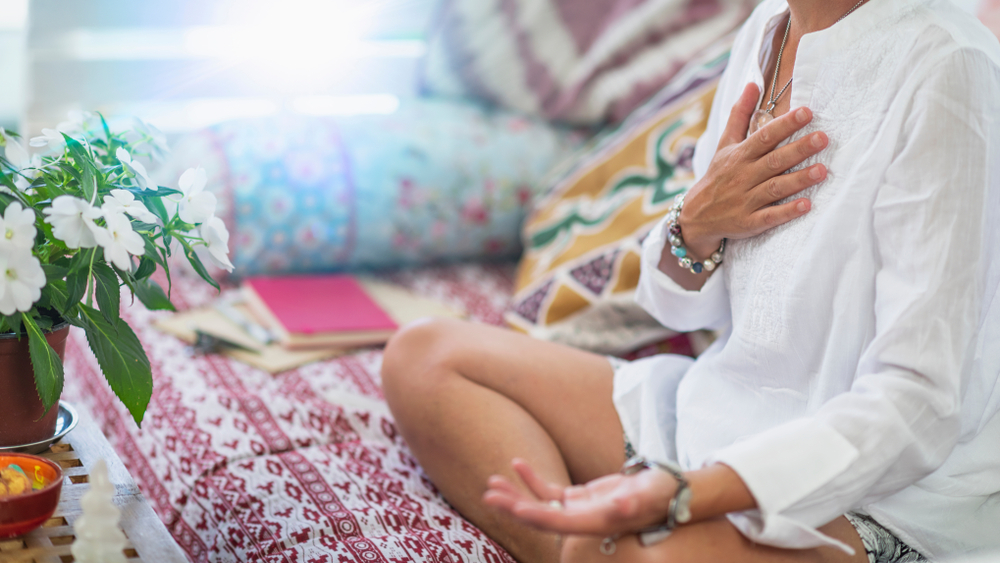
576 281
579 62
435 181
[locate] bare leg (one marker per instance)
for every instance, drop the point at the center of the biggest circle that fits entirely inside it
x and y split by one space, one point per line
469 398
715 540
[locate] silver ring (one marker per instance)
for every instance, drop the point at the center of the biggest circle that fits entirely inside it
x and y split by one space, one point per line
608 546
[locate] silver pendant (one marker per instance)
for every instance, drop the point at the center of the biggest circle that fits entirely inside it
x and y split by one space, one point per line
759 119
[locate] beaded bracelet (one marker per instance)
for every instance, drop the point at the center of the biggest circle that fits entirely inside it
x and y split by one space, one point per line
677 243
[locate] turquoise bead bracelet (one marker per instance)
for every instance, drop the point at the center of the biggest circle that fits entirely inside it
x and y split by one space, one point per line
677 243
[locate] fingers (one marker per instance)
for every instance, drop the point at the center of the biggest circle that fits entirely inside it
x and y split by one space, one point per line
774 215
505 496
739 117
771 135
785 185
782 159
542 489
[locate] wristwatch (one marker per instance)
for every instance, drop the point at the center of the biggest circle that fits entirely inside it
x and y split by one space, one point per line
679 510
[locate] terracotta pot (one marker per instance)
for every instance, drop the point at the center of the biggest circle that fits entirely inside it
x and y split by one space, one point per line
21 420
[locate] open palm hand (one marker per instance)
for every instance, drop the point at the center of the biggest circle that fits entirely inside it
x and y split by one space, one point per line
608 505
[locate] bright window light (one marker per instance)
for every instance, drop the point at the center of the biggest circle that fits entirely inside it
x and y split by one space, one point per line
204 112
345 105
13 14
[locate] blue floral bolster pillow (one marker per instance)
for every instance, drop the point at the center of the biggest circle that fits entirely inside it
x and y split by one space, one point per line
434 181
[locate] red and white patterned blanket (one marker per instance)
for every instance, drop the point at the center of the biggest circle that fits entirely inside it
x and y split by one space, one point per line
303 466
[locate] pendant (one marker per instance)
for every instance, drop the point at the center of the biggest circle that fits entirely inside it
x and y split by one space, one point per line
759 119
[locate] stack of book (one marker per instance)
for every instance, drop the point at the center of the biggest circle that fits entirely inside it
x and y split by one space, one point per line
278 323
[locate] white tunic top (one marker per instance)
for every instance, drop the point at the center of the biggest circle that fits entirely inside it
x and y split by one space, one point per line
858 364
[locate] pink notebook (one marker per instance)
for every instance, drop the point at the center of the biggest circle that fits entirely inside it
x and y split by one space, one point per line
319 310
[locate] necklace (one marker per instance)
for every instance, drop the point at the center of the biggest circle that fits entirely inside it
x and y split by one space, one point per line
762 117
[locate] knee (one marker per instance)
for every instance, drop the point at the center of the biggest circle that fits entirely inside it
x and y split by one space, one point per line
415 353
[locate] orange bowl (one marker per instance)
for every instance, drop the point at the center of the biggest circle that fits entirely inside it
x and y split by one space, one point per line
23 513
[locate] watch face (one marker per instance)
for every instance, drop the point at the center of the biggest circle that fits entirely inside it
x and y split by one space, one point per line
683 515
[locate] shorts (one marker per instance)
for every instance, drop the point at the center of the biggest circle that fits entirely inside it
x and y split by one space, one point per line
882 545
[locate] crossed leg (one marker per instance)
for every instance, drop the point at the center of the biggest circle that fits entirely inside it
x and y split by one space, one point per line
469 398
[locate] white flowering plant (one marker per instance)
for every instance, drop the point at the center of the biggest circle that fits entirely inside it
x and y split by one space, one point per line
81 220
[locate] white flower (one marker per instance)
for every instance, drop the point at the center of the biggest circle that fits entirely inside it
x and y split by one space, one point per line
15 153
28 173
123 201
195 205
17 227
28 167
50 137
21 280
151 136
119 240
79 121
135 169
216 237
72 221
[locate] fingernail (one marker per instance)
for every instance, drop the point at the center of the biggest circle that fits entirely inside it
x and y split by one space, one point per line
802 206
802 115
815 173
817 140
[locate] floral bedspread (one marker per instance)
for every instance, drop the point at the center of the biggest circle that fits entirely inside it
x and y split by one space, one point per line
305 466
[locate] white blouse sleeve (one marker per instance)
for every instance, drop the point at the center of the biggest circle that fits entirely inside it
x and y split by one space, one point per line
670 304
901 417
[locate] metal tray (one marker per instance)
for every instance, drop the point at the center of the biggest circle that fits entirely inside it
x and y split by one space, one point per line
66 420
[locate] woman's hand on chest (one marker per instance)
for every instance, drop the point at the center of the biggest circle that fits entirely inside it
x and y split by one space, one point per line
735 198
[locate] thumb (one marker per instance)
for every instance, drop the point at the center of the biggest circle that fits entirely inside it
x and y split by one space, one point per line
739 118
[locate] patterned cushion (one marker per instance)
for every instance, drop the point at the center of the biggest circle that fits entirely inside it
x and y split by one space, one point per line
580 62
577 278
434 181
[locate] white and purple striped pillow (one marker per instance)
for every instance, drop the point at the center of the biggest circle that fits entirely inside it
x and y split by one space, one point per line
577 61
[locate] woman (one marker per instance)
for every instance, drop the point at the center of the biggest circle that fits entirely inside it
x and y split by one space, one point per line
849 410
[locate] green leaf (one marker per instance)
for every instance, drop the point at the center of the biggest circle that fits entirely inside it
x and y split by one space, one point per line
76 287
152 296
156 207
198 266
107 291
46 364
104 125
55 290
122 359
82 259
146 266
44 323
13 324
7 180
152 253
163 191
85 163
51 189
54 271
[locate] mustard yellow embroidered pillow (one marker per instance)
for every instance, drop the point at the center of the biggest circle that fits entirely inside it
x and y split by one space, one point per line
577 277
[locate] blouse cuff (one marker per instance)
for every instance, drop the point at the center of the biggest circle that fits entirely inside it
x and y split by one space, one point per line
781 467
669 303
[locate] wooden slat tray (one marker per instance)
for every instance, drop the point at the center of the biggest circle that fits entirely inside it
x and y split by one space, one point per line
147 538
